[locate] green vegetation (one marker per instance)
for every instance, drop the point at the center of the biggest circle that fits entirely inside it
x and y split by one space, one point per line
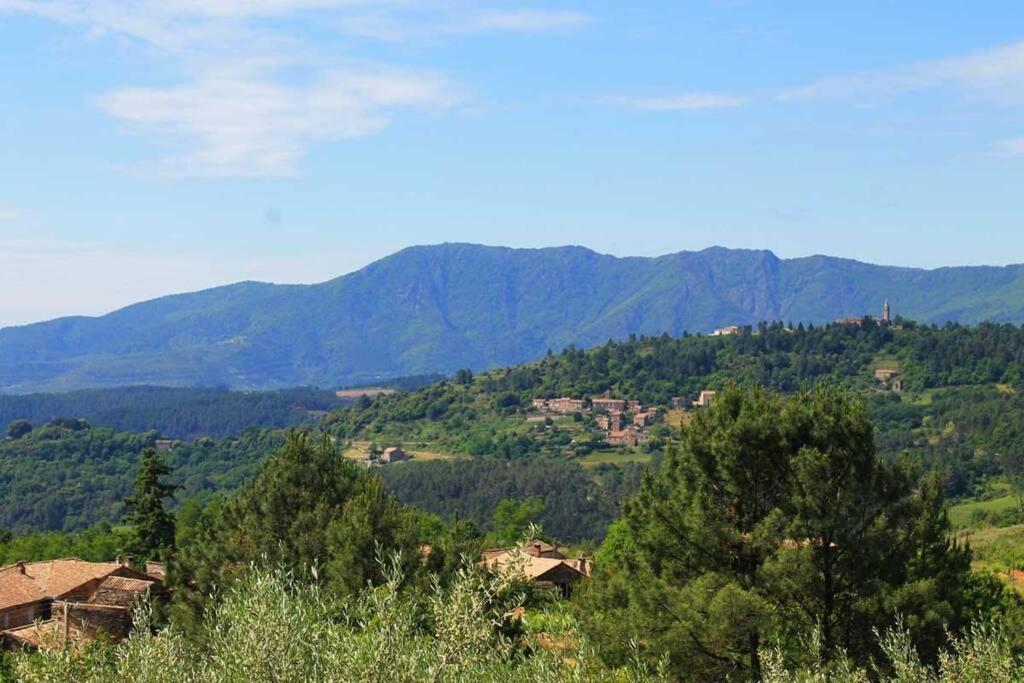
152 527
771 520
183 413
574 505
273 626
984 512
308 508
100 543
773 543
65 476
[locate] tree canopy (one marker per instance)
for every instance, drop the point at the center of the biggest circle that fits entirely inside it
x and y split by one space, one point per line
769 518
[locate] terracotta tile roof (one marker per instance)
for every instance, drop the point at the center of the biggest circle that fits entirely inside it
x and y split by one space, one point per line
120 591
532 567
35 635
27 582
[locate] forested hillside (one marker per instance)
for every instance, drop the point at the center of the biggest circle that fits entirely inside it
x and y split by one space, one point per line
68 476
440 308
476 441
183 413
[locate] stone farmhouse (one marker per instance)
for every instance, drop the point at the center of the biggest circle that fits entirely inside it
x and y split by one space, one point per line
630 437
393 454
69 601
540 563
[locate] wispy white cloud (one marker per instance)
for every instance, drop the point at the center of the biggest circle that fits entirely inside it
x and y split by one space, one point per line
8 214
254 94
240 123
997 73
1010 148
678 102
411 22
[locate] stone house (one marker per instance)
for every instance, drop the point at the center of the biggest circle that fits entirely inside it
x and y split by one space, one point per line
393 454
628 437
35 599
608 405
566 406
539 563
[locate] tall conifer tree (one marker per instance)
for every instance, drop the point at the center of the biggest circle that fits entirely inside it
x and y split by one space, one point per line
152 525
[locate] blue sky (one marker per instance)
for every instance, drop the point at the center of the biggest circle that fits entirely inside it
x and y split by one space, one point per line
150 147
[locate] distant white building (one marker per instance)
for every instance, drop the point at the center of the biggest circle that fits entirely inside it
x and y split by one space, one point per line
706 398
727 330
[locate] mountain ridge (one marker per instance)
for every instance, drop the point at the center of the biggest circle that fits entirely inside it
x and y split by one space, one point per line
440 307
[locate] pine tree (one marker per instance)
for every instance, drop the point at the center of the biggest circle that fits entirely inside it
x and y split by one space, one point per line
771 520
152 525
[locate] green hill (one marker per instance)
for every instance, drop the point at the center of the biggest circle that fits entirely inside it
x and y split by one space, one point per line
440 308
476 440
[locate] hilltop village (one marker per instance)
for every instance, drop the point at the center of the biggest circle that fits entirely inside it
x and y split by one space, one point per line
624 422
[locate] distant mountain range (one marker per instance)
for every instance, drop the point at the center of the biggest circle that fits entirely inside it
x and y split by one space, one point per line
444 307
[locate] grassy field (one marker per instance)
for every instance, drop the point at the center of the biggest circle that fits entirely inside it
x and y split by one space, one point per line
962 515
1000 551
613 457
419 451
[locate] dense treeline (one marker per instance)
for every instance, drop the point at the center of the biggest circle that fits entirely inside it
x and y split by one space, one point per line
174 413
968 434
573 505
60 477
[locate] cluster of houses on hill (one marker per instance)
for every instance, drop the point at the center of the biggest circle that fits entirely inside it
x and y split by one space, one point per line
625 422
539 563
69 602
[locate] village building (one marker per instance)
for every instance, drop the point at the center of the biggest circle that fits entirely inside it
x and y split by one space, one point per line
890 377
725 331
539 563
885 374
629 437
613 421
567 406
608 405
156 570
77 599
680 403
540 404
644 419
886 318
393 454
705 399
634 406
163 445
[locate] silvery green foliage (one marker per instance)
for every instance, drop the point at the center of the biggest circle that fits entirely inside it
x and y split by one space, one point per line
983 654
271 627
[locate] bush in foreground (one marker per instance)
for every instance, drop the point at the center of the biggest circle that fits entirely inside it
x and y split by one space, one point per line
271 627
